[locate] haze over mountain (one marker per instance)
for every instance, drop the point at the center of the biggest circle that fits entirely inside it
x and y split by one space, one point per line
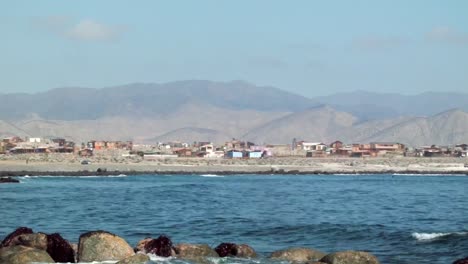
215 111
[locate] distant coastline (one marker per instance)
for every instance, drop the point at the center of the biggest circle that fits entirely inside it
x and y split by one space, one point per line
289 166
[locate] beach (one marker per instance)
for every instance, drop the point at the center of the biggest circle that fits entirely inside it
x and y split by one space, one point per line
70 165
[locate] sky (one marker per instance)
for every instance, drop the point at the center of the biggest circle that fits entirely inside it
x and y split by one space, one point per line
307 47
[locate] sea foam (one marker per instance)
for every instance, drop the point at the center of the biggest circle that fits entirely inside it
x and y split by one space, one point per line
434 236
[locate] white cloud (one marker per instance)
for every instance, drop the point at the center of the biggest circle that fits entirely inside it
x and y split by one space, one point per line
447 34
90 30
84 30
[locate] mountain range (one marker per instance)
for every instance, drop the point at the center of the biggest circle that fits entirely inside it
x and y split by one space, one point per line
219 111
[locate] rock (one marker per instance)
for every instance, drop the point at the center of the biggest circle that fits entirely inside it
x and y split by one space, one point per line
135 259
245 251
19 231
161 246
8 180
226 249
101 246
461 261
350 257
35 240
140 247
298 255
189 251
22 254
60 249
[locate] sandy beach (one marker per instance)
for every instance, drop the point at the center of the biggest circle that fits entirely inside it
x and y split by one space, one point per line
288 165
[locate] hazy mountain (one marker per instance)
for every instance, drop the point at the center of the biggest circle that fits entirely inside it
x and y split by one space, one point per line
192 134
214 111
383 105
314 124
147 100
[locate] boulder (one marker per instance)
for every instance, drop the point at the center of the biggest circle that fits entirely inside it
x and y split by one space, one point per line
245 251
35 240
8 180
350 257
226 249
101 246
189 251
60 249
461 261
140 247
22 254
19 231
298 255
135 259
161 246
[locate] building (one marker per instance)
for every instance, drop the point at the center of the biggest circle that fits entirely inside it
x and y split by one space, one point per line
237 144
184 152
309 146
254 154
234 154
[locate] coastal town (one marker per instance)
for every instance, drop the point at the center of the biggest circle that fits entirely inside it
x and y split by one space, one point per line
234 149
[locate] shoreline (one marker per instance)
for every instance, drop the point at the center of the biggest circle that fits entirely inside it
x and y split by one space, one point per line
277 166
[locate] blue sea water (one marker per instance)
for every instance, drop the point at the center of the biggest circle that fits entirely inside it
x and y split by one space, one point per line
400 219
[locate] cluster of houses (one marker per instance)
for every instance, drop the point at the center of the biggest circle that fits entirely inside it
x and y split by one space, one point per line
231 149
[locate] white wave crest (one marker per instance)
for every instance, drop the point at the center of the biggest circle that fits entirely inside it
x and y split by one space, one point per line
433 236
212 176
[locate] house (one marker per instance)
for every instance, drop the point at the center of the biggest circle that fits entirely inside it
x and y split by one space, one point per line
35 140
60 141
316 154
309 146
254 154
384 147
234 154
184 152
336 145
237 144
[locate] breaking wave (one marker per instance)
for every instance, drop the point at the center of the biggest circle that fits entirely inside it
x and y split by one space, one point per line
211 176
436 236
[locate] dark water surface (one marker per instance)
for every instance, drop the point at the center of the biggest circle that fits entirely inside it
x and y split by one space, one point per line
400 219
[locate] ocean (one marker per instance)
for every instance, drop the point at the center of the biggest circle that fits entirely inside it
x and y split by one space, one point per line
399 218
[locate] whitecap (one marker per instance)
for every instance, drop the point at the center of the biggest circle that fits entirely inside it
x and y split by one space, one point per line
211 176
434 236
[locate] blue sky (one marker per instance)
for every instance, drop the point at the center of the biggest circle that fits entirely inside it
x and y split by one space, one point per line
307 47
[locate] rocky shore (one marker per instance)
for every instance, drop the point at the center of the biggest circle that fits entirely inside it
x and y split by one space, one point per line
25 246
51 165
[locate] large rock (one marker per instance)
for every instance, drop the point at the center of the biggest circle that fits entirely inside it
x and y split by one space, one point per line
101 246
60 249
161 246
140 247
189 251
234 250
461 261
135 259
8 180
245 251
226 249
11 237
36 240
22 255
298 255
350 257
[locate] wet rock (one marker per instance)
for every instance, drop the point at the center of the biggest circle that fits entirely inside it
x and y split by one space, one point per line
19 231
189 251
60 249
298 255
135 259
461 261
226 249
161 246
245 251
101 246
8 180
140 247
22 254
350 257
